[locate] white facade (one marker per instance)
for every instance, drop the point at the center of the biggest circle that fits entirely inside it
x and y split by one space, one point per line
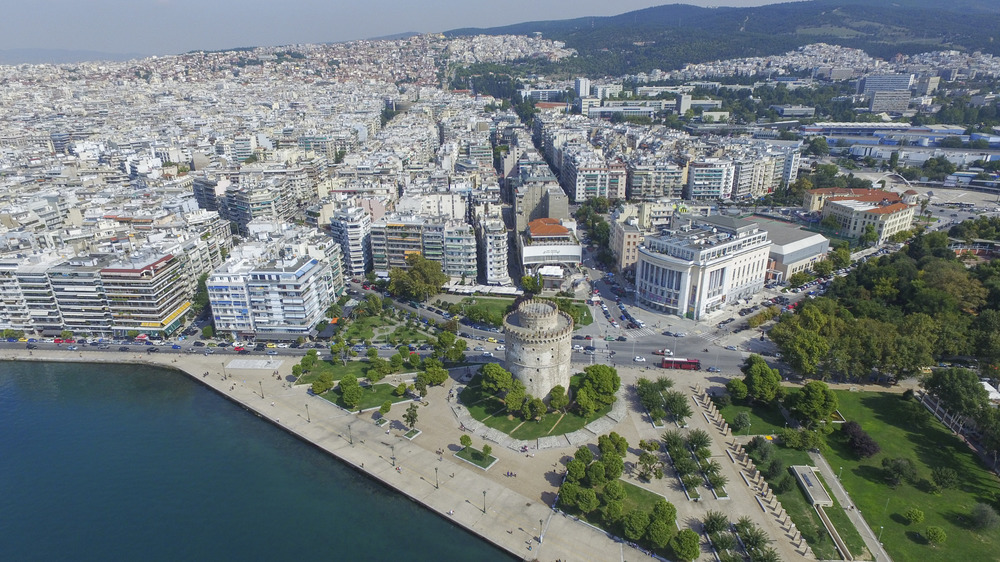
352 229
710 178
695 272
495 248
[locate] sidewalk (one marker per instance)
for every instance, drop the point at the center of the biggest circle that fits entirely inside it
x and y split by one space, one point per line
871 541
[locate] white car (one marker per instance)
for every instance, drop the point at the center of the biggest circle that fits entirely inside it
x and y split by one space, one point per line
577 347
487 354
639 359
501 348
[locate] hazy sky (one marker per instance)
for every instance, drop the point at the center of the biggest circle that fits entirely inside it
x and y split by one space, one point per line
174 26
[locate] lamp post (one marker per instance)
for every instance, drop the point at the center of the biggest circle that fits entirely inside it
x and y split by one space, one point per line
393 447
841 471
540 529
484 501
224 375
308 419
350 434
261 389
436 483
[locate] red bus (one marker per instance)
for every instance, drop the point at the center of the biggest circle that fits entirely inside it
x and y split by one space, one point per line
679 363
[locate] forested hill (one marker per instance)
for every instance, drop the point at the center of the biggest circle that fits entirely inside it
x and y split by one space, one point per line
669 36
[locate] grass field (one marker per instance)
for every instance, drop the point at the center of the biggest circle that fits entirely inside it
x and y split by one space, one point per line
336 368
492 411
369 398
765 419
364 328
845 527
402 334
906 429
476 457
802 513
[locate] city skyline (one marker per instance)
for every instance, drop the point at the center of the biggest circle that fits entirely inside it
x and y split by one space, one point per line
176 26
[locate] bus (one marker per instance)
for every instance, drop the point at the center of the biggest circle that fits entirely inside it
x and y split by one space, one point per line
679 363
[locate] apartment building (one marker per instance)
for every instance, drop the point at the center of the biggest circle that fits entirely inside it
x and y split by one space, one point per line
351 228
624 241
653 178
493 251
448 242
696 270
710 178
147 293
585 175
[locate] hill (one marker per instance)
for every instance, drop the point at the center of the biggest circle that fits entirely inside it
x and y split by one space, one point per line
669 36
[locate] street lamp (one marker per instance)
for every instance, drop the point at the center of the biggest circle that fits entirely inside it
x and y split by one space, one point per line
436 483
880 527
748 429
350 434
393 447
308 419
224 375
840 472
540 528
484 501
261 389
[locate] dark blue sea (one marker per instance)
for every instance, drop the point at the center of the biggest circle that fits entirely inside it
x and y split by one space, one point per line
106 462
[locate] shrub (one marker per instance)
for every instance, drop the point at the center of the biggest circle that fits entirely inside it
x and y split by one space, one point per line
774 469
691 481
715 522
723 541
908 394
859 441
737 389
898 470
718 482
722 400
945 477
686 545
741 422
935 535
984 517
784 483
913 515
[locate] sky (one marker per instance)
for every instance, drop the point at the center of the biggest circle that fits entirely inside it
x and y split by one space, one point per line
156 27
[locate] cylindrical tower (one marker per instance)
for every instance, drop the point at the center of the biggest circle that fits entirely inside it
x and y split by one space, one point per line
538 338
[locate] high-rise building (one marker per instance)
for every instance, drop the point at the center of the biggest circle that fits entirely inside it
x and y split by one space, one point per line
352 228
582 87
710 178
448 242
494 250
147 293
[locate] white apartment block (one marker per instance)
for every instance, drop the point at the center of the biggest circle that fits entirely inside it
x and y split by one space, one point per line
655 178
448 242
710 178
352 228
586 175
697 270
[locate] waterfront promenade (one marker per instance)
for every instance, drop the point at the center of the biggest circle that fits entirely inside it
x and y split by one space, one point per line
454 489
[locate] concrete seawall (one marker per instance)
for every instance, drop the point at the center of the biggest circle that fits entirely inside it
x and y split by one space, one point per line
511 513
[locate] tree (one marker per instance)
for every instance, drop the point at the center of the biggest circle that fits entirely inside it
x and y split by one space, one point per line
763 383
496 379
584 455
207 332
400 389
612 443
815 402
558 399
935 535
741 421
487 450
384 408
737 389
913 515
601 382
465 440
634 524
664 511
575 470
686 545
958 389
614 465
595 474
420 281
984 517
530 284
897 470
650 466
410 416
587 501
372 353
944 477
614 490
515 397
859 441
322 384
659 532
534 407
613 511
869 236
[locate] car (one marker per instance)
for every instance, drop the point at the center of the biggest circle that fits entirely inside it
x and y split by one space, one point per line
680 334
30 346
501 348
123 348
577 347
714 370
732 348
72 348
578 337
272 352
272 345
104 346
487 354
57 340
479 348
175 346
152 350
639 359
588 337
590 348
243 352
199 344
491 340
622 338
294 345
238 348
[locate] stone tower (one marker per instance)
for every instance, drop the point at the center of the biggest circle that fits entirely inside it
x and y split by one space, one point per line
538 338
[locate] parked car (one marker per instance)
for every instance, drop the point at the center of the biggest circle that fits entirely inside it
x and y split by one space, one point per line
639 359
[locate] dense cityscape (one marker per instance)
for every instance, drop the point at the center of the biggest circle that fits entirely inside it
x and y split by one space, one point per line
790 230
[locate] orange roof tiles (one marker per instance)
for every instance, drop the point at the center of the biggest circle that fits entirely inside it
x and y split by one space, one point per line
547 227
887 209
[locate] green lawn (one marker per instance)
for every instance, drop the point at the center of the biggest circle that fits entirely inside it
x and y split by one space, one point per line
402 334
369 398
336 368
363 328
491 410
906 429
765 419
495 308
476 457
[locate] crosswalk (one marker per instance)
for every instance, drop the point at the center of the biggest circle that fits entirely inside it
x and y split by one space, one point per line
709 336
641 332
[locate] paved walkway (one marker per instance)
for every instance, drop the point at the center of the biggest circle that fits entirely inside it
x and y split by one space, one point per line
871 541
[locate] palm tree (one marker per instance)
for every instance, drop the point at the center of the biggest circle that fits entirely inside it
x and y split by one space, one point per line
715 522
